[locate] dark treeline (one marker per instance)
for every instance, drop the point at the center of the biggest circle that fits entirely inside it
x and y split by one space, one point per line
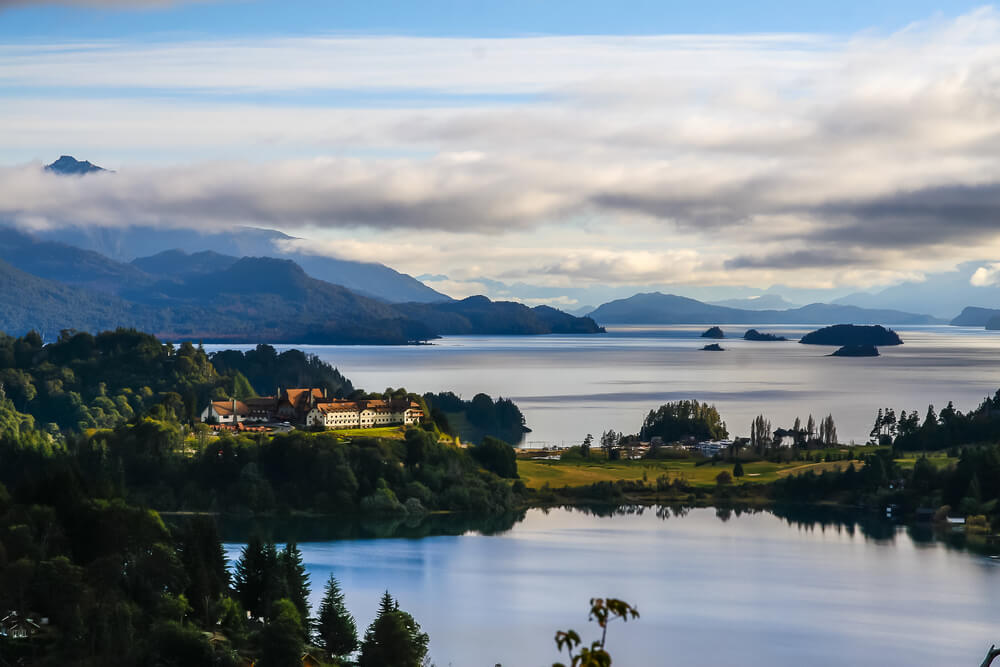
266 370
970 487
474 419
933 431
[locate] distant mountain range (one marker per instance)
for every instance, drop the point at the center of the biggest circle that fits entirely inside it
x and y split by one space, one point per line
657 308
209 296
940 294
762 302
70 166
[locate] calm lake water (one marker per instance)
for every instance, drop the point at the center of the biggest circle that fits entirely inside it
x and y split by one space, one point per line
753 589
568 386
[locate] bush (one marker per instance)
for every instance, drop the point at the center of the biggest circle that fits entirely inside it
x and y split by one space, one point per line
724 478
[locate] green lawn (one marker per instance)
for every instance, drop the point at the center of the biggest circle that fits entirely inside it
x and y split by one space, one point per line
558 473
390 432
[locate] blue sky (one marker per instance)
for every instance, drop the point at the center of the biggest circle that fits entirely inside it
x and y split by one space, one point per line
452 18
552 152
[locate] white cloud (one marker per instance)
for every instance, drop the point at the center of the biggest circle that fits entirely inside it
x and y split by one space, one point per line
986 276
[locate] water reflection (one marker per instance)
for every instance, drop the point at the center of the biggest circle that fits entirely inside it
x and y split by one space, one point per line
808 518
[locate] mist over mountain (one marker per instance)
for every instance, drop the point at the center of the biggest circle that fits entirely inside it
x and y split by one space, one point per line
657 308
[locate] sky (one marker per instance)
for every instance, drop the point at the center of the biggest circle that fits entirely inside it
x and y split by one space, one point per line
553 152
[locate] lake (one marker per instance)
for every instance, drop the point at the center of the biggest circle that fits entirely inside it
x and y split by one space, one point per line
713 588
568 386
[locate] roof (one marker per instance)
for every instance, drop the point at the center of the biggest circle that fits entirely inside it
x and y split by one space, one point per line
225 408
375 405
299 396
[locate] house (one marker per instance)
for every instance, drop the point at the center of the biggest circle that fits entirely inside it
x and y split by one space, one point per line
225 412
16 626
339 414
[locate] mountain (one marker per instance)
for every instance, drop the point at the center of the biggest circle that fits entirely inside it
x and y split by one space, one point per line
657 308
28 302
129 243
216 298
762 302
179 263
70 166
938 294
973 316
68 264
479 315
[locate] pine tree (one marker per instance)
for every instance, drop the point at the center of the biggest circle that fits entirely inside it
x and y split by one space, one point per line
394 638
738 469
296 579
335 628
257 578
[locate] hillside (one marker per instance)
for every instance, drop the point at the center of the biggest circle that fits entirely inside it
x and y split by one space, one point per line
479 315
973 316
28 302
67 264
657 308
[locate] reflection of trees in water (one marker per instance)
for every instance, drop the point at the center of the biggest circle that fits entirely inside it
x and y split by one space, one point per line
848 521
325 529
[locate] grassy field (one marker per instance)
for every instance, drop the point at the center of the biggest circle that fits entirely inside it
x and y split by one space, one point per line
389 432
557 473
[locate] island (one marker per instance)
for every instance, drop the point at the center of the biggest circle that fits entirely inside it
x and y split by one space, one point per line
754 335
851 335
993 324
856 351
714 332
713 347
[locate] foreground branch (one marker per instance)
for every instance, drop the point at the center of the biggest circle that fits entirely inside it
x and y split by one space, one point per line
990 655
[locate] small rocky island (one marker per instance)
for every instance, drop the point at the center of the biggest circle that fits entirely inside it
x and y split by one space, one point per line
714 332
753 334
713 347
849 335
856 351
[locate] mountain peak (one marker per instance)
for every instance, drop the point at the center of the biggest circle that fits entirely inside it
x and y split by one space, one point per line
69 165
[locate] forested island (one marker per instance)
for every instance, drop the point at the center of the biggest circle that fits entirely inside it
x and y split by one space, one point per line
852 334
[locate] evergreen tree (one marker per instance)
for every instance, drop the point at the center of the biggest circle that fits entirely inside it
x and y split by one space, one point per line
281 637
257 579
204 560
296 579
738 469
335 628
394 638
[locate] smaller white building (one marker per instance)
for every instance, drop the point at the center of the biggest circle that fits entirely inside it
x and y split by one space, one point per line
226 412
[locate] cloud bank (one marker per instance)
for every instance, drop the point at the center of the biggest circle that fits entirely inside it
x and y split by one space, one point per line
615 160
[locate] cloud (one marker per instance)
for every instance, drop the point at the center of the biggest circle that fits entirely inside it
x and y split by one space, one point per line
986 276
559 160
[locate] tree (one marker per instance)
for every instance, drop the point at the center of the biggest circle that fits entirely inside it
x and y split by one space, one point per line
603 611
281 637
828 431
335 628
496 456
724 478
257 579
296 579
738 469
810 427
585 447
760 434
394 638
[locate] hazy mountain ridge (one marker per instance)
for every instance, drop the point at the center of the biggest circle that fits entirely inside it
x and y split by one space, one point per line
658 308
